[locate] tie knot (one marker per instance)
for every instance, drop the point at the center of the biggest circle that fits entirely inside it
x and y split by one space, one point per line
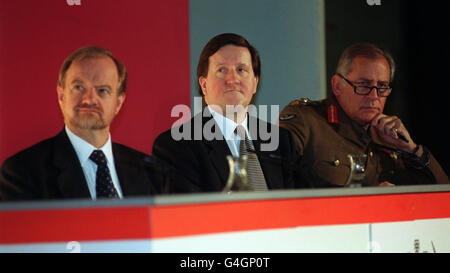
98 157
240 131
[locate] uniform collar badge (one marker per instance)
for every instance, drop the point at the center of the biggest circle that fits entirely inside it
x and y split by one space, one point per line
332 114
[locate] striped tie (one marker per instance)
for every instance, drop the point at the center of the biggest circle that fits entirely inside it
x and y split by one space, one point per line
104 186
254 172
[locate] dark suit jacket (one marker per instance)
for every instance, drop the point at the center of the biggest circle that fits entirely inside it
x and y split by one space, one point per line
51 170
201 165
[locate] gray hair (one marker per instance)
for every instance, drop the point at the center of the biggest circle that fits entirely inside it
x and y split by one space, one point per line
367 50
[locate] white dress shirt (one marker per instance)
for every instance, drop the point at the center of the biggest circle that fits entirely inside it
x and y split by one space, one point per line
83 150
228 127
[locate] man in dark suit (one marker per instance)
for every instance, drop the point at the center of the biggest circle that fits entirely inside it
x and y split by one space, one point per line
228 73
81 161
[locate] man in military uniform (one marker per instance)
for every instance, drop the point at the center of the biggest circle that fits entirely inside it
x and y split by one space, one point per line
351 121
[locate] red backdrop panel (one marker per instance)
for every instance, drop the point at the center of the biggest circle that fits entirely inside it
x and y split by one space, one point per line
150 37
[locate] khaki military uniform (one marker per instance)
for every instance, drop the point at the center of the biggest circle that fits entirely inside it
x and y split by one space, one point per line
325 135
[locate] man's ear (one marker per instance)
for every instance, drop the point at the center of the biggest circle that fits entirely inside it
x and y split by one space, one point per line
60 93
336 85
202 82
256 86
121 99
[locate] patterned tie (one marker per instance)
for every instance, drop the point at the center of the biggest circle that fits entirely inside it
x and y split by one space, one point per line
254 172
103 182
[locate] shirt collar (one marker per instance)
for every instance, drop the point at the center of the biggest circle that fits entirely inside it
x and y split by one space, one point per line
226 125
84 149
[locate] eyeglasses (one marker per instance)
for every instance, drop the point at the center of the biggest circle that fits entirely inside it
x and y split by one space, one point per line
365 90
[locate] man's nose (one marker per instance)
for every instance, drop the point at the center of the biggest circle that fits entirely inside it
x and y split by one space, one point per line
373 92
231 76
90 95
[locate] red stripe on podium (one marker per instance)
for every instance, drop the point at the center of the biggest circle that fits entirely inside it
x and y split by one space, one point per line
167 221
63 225
183 220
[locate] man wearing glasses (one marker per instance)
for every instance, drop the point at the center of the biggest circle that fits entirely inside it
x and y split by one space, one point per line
351 121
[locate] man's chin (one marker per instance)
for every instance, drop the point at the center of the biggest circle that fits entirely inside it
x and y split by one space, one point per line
368 114
367 119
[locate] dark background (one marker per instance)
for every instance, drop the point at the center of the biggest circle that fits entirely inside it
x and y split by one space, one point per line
417 33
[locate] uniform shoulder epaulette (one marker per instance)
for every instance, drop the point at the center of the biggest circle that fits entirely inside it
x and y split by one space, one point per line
302 102
292 113
297 103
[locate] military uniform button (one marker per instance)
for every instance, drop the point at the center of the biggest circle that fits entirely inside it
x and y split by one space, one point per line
394 156
337 162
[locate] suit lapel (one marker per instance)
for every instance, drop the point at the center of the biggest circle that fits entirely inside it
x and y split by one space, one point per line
131 178
70 178
218 151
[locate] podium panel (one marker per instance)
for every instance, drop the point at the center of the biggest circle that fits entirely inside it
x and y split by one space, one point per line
399 219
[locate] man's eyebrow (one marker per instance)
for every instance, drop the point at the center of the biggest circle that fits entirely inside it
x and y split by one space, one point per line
363 80
76 81
245 64
220 64
370 80
103 86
